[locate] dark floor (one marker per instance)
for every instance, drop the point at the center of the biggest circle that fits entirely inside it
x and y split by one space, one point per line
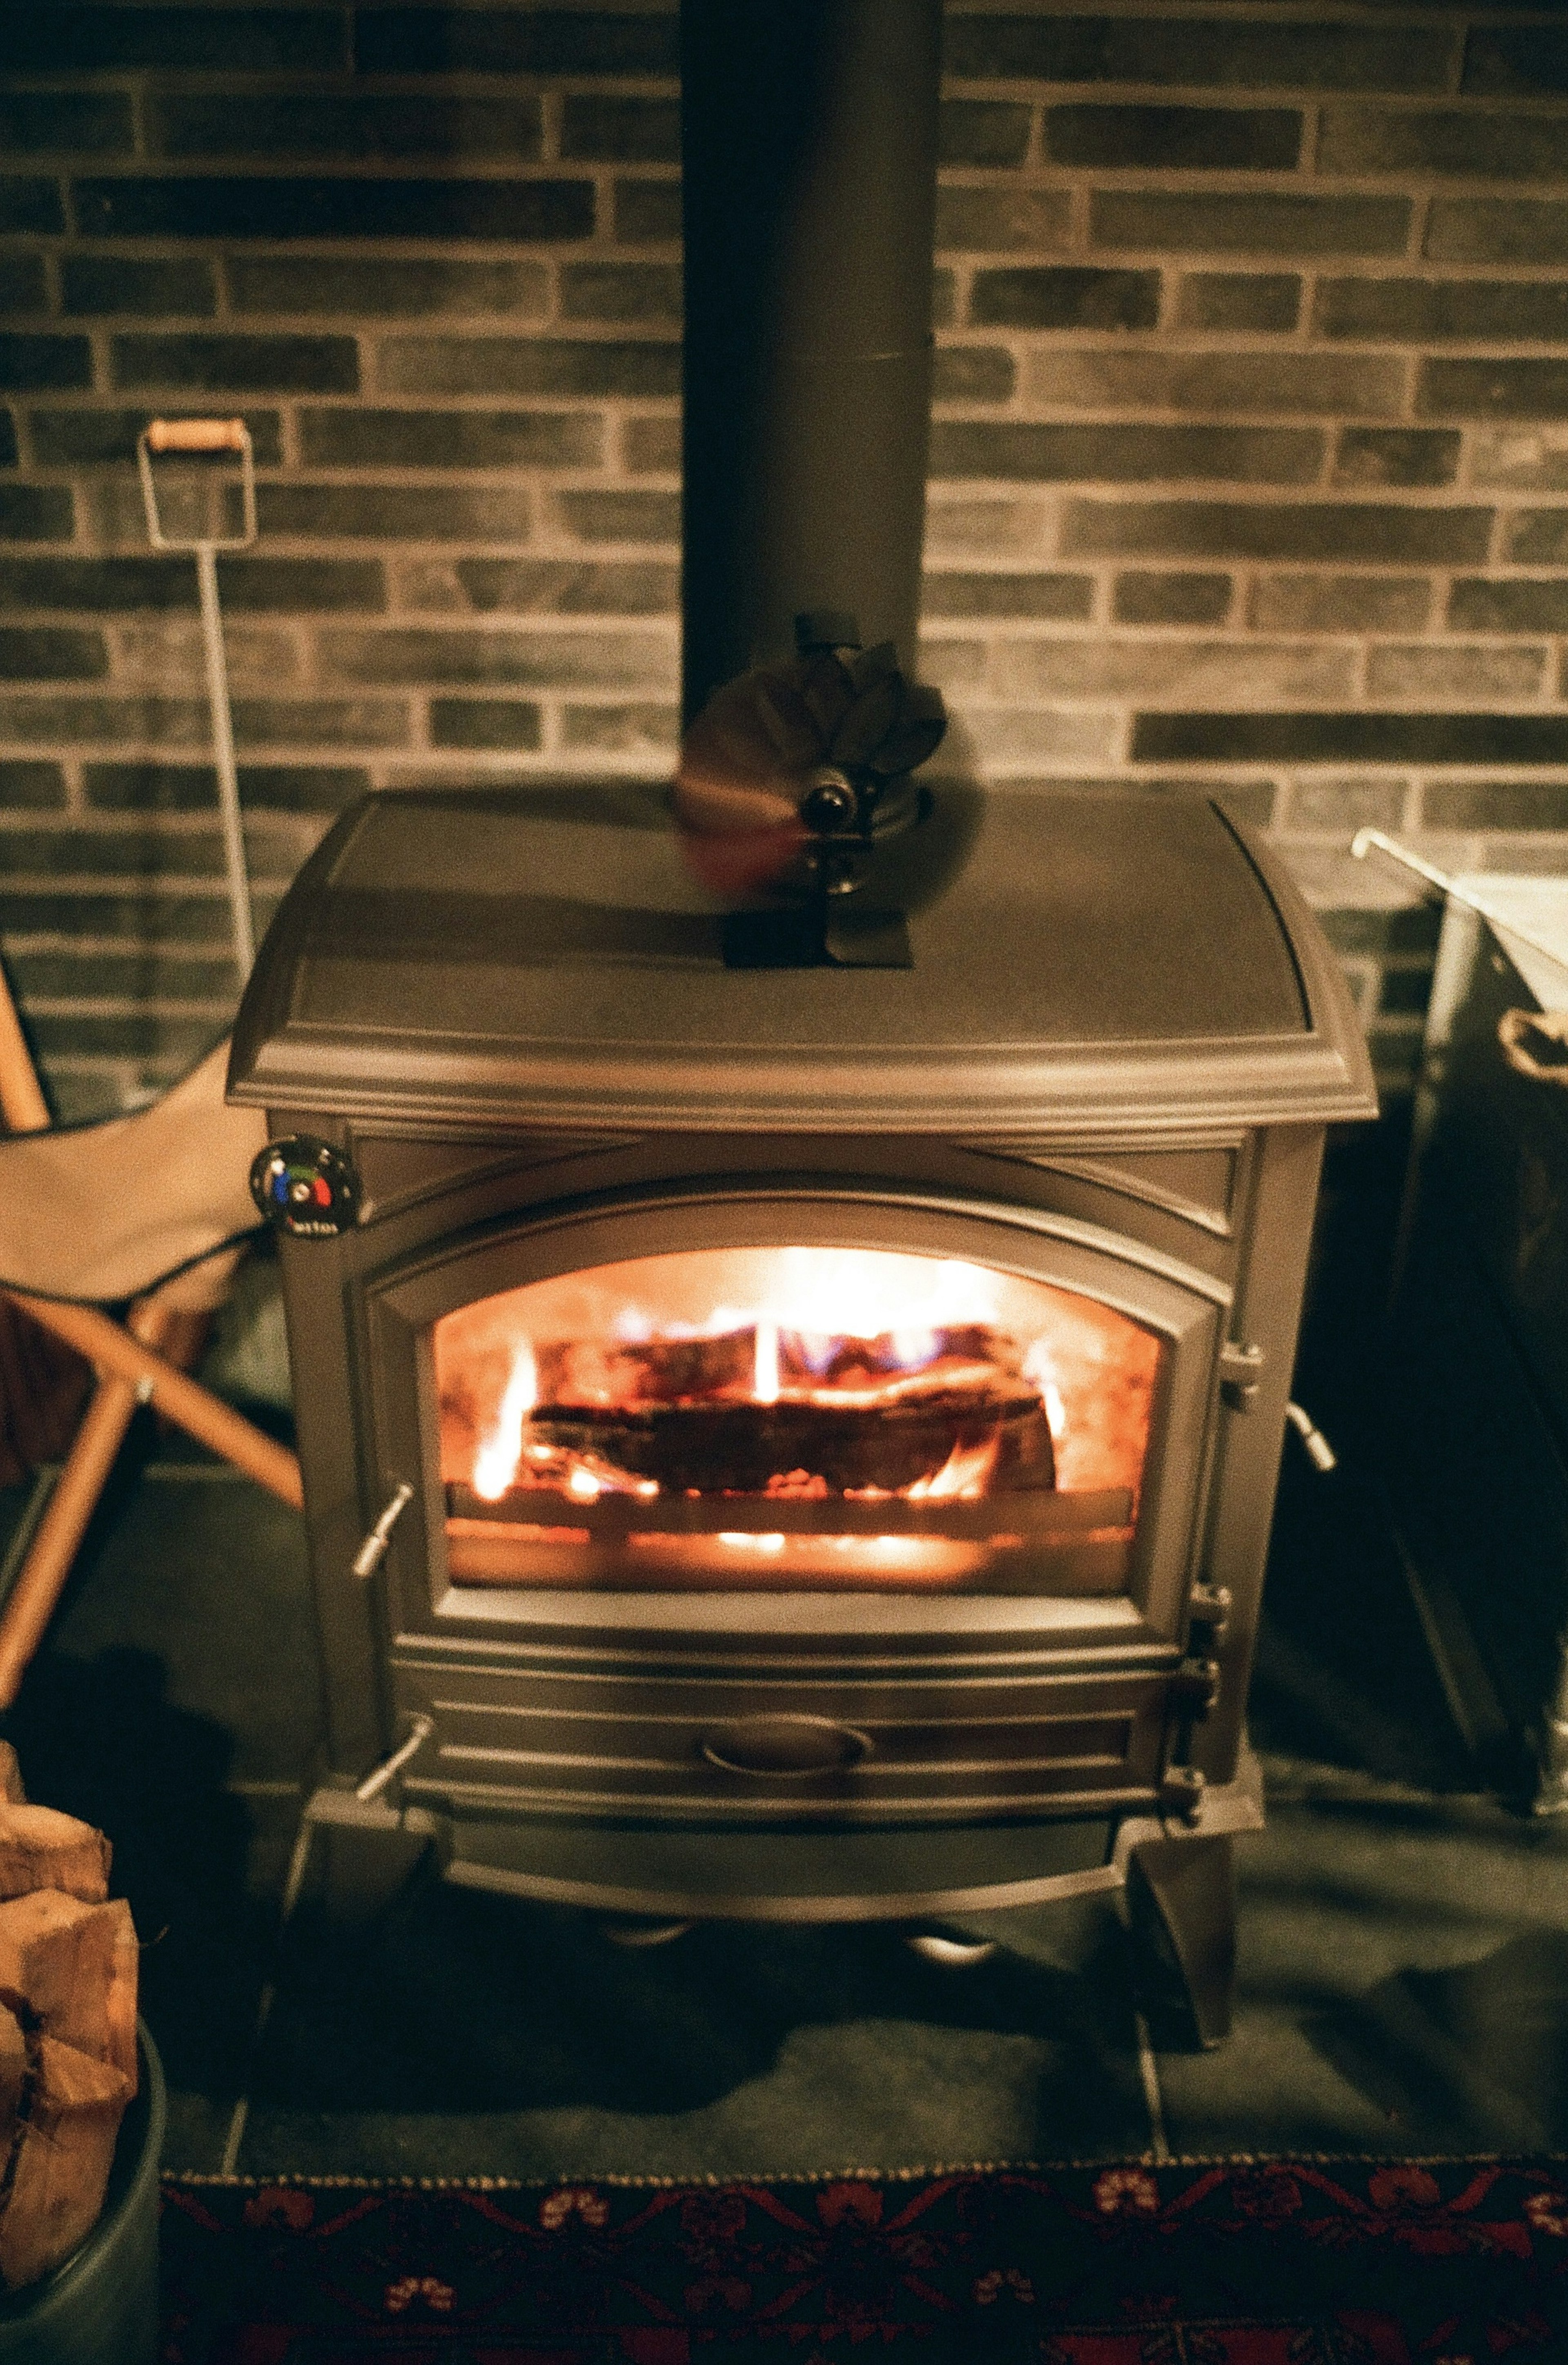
1404 1939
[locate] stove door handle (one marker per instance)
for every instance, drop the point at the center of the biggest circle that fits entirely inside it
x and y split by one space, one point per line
781 1746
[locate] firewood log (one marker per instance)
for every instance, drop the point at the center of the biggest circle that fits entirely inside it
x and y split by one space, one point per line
43 1849
71 1967
61 2159
11 1790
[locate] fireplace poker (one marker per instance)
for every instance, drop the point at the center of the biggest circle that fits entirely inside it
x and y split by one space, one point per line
208 439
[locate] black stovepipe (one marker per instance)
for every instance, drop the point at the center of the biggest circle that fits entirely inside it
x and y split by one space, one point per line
809 141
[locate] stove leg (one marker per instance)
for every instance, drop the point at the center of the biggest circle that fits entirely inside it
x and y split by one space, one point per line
1181 1904
362 1871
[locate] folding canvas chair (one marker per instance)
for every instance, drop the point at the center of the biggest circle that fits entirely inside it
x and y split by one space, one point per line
119 1239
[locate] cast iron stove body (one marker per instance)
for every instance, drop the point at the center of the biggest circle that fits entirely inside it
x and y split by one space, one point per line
835 1413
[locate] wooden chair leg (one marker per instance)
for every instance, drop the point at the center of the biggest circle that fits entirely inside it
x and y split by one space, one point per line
40 1580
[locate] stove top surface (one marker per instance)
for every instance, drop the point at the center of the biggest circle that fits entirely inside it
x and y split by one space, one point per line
545 956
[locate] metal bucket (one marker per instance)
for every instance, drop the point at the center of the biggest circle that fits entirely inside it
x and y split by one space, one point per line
99 2306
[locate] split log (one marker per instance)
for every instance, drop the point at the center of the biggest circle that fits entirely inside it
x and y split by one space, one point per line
40 1848
60 2166
71 1967
11 1790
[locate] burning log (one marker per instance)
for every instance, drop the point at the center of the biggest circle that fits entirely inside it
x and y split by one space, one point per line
68 2065
739 1448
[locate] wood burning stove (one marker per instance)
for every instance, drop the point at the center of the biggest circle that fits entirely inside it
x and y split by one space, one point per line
794 1443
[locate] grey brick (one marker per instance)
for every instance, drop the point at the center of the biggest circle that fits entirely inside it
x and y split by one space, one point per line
1347 738
22 284
972 374
43 361
172 916
1494 389
1538 537
356 438
1524 604
521 366
237 364
260 584
601 128
1404 928
27 205
1061 597
1321 530
638 728
397 513
137 1035
66 439
119 283
1212 138
1449 673
96 976
512 40
1396 456
321 722
1530 57
100 586
620 517
1238 300
1345 806
35 513
1065 297
150 855
1129 454
652 447
25 783
1170 598
1232 52
1404 993
1340 603
566 587
485 722
995 216
984 528
507 660
340 126
65 119
1525 459
1228 671
620 291
982 131
1489 310
298 205
386 287
1463 141
1495 804
1249 223
647 213
1498 229
121 722
1102 378
66 37
193 788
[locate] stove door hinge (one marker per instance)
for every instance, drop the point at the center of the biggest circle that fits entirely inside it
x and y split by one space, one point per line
1208 1610
1194 1687
1241 1372
1182 1792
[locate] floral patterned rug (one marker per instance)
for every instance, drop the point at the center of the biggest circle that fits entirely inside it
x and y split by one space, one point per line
1283 2262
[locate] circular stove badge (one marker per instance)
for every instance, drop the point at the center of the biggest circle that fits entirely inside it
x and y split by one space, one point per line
306 1188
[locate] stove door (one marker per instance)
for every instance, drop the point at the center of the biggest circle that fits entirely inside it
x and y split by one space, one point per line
797 1395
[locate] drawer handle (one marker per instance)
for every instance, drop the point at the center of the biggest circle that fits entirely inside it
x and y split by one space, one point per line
783 1746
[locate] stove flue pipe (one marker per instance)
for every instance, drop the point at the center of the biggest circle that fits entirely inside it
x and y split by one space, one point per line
809 139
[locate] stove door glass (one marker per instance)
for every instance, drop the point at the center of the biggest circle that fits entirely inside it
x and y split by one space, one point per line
793 1419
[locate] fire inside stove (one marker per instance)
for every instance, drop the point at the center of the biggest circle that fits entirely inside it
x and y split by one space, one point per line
794 1418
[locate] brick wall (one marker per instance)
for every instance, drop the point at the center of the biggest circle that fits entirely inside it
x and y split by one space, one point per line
1250 463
